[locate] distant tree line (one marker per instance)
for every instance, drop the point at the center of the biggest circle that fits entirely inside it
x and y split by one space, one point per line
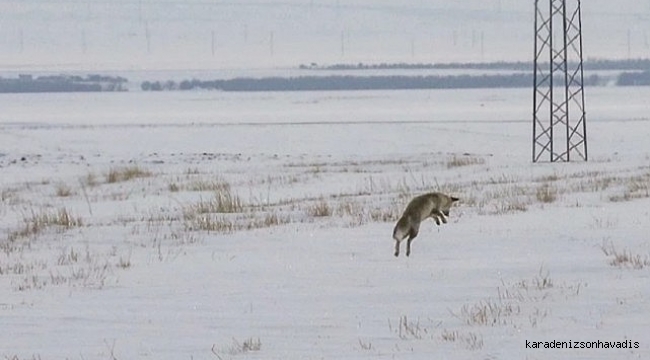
347 82
634 79
590 64
62 83
306 83
636 73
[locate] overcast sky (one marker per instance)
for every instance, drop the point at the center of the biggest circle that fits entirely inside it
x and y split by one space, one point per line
203 34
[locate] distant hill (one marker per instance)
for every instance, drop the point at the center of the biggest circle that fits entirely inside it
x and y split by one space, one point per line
61 83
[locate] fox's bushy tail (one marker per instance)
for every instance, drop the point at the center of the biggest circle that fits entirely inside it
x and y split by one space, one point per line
401 229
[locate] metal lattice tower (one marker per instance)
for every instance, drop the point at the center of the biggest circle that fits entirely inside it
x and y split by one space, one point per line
559 121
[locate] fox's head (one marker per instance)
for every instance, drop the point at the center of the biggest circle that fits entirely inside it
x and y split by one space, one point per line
452 200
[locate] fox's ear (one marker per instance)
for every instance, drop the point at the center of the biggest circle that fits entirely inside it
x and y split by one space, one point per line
454 199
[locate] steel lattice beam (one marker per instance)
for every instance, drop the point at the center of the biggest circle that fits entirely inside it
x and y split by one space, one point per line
559 117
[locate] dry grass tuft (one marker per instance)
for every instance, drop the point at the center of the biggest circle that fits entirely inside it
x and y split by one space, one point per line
251 344
349 208
37 223
273 219
63 190
9 195
546 193
218 185
228 224
206 222
450 336
509 206
541 281
637 187
471 341
173 187
365 345
319 209
488 313
200 185
548 178
64 219
121 174
464 160
625 258
223 202
237 348
69 257
382 214
407 329
362 213
124 262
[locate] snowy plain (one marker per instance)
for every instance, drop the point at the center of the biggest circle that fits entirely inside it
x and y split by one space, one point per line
209 225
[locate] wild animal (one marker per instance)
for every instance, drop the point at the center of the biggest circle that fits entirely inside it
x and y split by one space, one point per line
431 205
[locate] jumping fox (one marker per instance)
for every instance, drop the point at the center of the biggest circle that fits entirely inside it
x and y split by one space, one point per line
434 205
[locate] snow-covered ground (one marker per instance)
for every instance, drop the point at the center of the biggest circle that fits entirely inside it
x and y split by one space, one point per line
207 225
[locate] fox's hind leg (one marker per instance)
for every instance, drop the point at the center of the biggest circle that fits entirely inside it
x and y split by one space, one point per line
412 236
396 247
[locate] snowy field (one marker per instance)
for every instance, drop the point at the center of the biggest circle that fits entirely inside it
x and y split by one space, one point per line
207 225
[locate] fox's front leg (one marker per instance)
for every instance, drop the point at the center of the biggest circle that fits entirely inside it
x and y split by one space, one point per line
437 216
396 248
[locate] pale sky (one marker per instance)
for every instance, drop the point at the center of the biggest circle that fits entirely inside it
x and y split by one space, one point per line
204 34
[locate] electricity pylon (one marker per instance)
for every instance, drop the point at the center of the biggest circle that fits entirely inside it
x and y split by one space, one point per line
559 118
